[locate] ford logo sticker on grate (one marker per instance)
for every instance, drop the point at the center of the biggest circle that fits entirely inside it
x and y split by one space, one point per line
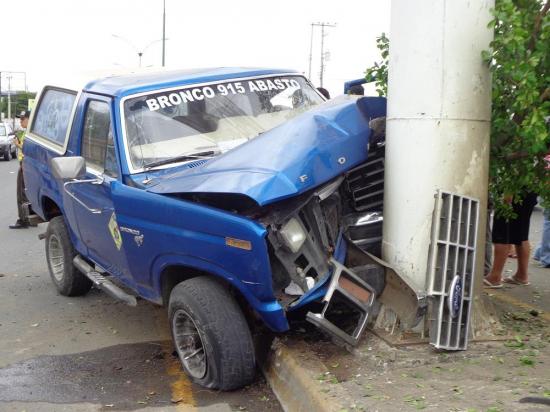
454 299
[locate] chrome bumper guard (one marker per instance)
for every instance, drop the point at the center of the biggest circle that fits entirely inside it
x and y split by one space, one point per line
356 292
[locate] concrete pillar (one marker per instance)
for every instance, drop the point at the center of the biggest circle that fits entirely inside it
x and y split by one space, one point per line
438 122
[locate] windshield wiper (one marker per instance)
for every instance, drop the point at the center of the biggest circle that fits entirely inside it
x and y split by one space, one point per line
182 158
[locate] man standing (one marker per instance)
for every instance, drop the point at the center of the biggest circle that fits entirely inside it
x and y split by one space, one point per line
22 221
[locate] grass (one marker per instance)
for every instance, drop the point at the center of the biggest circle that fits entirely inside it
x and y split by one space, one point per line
418 402
527 361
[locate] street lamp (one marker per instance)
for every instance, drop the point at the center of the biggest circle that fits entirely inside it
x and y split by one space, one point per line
138 51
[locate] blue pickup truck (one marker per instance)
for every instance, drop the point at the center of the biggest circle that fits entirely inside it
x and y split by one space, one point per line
235 197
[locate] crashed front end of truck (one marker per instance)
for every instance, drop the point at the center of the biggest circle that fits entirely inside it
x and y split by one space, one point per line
325 248
308 171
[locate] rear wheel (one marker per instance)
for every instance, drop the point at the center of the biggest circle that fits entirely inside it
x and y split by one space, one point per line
211 335
7 155
68 280
14 153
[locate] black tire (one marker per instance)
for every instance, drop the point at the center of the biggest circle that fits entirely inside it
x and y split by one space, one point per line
68 280
14 154
222 329
7 155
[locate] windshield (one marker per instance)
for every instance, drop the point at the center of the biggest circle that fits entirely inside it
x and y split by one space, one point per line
204 121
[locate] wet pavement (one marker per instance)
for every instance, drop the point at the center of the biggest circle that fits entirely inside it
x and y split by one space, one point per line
89 353
122 377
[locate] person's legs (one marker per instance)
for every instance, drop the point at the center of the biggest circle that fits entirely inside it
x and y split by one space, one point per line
488 245
520 237
523 252
22 222
501 242
501 254
542 254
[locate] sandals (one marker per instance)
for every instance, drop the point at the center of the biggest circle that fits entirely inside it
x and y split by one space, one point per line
490 285
513 281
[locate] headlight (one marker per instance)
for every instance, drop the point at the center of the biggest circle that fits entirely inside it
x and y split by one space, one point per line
294 234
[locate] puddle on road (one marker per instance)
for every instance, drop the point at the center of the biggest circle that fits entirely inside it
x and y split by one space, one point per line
121 375
128 377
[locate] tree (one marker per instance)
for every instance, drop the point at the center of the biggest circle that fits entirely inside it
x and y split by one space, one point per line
378 72
19 102
519 59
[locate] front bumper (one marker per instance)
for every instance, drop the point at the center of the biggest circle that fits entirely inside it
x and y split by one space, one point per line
333 266
358 293
358 285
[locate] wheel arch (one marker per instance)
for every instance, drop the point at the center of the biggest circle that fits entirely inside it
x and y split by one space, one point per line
50 208
176 273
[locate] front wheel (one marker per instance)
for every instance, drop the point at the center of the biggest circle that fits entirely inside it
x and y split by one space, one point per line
7 155
68 280
211 335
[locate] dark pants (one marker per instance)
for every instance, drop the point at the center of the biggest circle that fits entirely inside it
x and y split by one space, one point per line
21 196
515 231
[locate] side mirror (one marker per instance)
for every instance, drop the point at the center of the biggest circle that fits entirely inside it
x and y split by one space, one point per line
68 168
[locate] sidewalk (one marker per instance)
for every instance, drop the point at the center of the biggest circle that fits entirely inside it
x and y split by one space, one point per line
308 372
538 293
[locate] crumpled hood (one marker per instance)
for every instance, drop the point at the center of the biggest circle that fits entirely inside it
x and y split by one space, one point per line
290 159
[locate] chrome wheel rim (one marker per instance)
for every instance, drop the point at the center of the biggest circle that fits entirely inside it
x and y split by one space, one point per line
189 344
56 258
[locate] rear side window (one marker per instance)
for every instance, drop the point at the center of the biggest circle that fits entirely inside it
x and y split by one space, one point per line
53 115
97 139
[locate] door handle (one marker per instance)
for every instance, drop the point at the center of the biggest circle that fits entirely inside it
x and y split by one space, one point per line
96 181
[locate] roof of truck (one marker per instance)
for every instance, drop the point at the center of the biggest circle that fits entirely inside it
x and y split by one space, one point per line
131 83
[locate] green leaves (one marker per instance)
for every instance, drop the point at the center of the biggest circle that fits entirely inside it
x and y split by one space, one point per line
527 361
378 72
520 65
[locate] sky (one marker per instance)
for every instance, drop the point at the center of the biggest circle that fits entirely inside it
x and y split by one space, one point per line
69 39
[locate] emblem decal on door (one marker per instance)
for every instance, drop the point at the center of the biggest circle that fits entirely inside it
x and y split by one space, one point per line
115 233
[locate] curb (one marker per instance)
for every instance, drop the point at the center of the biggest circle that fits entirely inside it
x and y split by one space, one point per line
292 372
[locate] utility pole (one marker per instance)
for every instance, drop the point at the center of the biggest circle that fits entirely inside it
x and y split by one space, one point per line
441 141
163 31
310 51
323 54
9 96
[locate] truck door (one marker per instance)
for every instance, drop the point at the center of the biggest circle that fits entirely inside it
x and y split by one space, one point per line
92 202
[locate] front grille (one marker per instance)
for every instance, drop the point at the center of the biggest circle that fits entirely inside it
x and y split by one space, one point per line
451 269
365 183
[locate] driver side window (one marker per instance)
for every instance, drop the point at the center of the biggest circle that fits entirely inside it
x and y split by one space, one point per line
97 139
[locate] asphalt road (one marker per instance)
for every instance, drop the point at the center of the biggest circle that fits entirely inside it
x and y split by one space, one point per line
88 353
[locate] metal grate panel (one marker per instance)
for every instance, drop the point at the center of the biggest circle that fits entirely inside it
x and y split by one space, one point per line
451 269
365 183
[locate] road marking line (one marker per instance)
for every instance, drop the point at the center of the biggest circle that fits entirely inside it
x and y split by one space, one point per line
505 297
180 386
